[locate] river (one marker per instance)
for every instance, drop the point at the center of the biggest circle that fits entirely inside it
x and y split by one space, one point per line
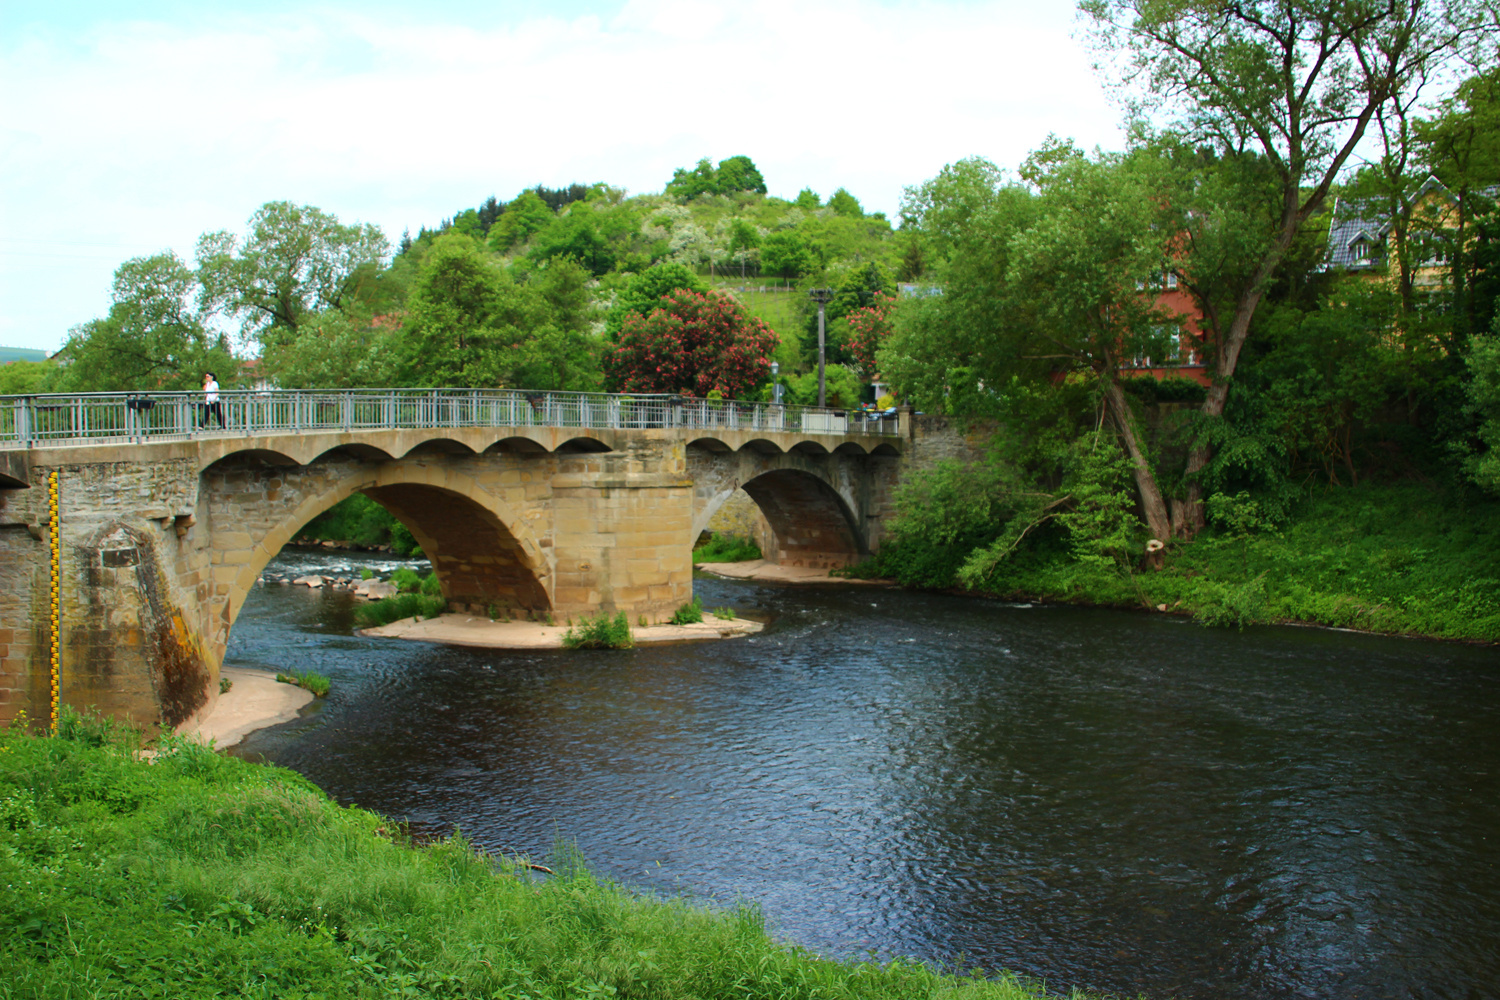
1103 800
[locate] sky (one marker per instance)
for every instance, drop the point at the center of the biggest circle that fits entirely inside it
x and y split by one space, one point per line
128 129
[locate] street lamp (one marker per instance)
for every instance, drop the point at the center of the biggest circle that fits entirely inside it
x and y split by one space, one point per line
776 383
821 297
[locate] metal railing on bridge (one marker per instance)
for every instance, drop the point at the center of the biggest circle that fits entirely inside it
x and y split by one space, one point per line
134 417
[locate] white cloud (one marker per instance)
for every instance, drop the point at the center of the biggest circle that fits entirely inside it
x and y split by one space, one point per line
136 136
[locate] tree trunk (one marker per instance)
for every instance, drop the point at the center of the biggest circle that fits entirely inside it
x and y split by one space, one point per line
1145 481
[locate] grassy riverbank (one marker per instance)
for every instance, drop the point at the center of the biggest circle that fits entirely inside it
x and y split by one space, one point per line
200 875
1402 559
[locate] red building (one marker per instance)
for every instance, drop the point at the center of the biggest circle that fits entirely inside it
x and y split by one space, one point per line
1189 360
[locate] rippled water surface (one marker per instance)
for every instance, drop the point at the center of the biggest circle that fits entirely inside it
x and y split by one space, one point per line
1109 801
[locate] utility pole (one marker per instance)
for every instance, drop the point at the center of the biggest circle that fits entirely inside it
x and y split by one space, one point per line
821 297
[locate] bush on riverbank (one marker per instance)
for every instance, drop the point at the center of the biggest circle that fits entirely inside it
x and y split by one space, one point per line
201 875
376 613
1403 559
725 549
308 680
600 632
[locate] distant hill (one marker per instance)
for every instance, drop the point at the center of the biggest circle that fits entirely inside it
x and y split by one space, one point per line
9 354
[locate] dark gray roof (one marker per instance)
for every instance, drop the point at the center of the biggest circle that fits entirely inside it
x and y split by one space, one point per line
1367 219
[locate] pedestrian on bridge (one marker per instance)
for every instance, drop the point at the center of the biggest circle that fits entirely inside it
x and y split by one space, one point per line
211 402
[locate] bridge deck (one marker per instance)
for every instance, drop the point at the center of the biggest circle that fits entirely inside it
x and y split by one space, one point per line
137 418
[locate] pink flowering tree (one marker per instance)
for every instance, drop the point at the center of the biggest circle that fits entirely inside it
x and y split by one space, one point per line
868 330
692 343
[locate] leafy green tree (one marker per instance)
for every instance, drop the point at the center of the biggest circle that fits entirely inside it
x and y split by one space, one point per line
739 173
808 200
841 385
845 204
645 291
695 344
452 340
1297 82
336 351
788 255
523 218
152 338
689 184
295 262
576 236
743 237
20 378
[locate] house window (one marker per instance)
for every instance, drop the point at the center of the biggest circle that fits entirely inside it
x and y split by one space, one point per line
1171 279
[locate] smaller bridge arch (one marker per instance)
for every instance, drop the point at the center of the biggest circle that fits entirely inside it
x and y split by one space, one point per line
816 502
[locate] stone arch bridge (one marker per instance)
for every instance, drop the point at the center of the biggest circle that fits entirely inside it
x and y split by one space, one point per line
163 534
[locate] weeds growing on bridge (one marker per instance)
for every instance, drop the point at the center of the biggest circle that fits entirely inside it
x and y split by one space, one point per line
201 875
600 632
690 613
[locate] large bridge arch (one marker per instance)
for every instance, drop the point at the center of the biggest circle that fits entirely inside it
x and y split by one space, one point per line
481 547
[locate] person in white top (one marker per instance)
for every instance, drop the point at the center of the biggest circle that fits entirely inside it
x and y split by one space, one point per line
211 402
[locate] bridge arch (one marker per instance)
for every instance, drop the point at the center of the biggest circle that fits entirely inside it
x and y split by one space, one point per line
811 498
480 547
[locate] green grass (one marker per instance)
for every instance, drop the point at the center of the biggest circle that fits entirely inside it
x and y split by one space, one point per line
726 548
201 875
377 613
1400 559
724 614
600 632
310 680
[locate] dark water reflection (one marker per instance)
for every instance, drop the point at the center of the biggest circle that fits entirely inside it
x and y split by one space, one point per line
1108 801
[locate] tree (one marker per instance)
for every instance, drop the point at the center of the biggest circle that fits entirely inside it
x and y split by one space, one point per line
695 344
152 338
739 173
452 338
845 204
689 184
788 255
522 219
645 291
296 261
1297 81
576 236
869 328
333 351
808 200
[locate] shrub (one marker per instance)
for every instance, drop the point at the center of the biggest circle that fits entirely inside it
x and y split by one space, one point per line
689 614
724 614
601 632
406 580
401 606
308 679
726 548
